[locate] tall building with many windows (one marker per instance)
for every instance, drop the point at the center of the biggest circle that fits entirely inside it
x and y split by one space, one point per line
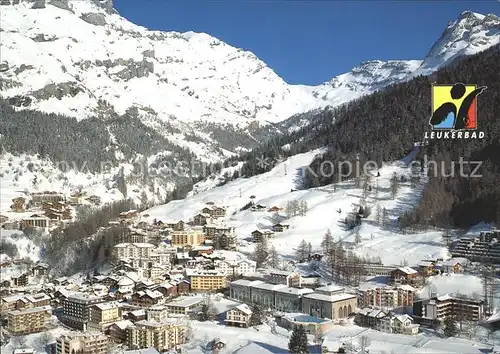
82 343
76 310
163 335
29 320
139 254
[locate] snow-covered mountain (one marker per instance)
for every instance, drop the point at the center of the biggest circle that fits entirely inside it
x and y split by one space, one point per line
82 59
469 34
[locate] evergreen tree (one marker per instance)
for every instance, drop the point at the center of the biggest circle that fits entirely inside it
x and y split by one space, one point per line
260 253
394 185
309 249
302 251
450 327
273 259
327 241
208 311
378 214
298 341
357 238
257 317
296 207
384 218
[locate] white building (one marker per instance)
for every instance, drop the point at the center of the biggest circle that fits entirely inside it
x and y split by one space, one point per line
138 254
125 285
157 313
402 324
235 267
239 316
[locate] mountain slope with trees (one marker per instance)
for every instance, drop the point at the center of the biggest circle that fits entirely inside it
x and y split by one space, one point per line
386 125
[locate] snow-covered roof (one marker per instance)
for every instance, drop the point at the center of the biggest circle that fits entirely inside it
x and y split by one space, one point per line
37 297
268 286
123 324
372 312
125 281
294 291
142 351
407 287
154 294
404 317
329 298
407 270
330 288
12 298
138 313
444 297
452 262
136 244
186 301
31 310
107 305
244 308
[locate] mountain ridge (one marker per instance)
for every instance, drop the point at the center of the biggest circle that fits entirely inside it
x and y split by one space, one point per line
83 60
119 76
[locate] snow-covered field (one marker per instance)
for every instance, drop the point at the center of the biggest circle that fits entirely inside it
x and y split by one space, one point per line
380 343
274 188
274 339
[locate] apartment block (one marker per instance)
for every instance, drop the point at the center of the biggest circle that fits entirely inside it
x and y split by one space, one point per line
239 316
485 248
82 343
207 280
104 314
235 267
29 320
187 238
325 302
386 297
439 307
77 308
159 335
138 254
157 313
184 305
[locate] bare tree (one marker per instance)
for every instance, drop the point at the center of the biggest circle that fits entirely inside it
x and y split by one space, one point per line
276 218
471 329
364 343
488 279
319 335
19 342
189 331
43 341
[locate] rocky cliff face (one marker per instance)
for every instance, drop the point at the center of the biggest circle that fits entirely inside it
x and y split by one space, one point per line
470 33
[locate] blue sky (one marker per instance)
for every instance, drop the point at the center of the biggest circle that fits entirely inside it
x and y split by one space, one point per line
309 42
